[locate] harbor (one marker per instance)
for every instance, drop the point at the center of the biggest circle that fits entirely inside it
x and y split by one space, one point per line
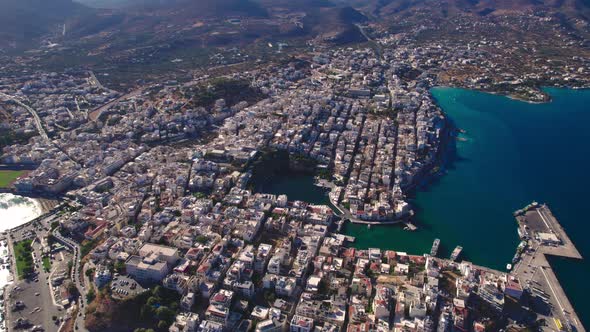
544 236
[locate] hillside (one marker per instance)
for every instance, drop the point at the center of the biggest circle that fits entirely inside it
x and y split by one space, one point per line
119 4
22 21
386 8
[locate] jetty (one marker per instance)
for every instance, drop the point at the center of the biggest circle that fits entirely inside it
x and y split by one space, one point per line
544 236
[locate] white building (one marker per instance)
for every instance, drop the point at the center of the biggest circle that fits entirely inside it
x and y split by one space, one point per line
146 269
185 322
102 276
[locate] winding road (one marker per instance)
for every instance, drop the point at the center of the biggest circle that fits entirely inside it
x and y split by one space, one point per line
36 117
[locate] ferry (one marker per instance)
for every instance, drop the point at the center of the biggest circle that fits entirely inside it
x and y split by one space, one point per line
455 254
434 249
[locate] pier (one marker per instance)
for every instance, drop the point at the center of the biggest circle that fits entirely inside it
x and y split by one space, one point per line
545 236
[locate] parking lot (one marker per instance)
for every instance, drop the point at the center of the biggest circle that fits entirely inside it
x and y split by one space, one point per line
30 303
124 287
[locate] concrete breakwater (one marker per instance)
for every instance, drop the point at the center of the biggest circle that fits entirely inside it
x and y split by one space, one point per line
544 236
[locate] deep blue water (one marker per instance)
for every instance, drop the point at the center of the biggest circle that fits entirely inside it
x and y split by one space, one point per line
512 153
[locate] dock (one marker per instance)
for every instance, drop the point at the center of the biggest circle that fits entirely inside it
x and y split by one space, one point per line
545 237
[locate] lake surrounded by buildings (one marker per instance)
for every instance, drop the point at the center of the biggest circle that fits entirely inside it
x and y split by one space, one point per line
510 153
296 186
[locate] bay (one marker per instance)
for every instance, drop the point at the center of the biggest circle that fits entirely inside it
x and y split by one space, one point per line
511 153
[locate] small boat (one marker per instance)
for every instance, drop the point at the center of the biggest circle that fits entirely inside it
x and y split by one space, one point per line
515 258
456 252
434 249
508 266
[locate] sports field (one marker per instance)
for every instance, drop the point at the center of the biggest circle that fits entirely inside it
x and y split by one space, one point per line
7 177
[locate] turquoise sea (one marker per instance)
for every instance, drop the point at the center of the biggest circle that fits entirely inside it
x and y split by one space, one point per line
510 153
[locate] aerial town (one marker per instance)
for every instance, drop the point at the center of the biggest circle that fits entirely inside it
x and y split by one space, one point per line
159 226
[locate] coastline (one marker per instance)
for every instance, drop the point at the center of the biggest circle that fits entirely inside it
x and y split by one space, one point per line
445 150
546 118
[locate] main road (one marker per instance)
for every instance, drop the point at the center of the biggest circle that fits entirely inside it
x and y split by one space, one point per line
36 117
75 276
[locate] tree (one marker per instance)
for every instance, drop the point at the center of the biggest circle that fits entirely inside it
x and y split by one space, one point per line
152 300
162 325
120 267
201 239
165 313
50 239
72 289
159 291
90 273
91 295
269 297
147 312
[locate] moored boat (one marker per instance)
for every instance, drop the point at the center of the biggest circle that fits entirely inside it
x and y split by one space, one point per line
456 253
435 246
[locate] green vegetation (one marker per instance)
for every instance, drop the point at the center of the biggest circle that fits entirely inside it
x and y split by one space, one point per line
202 239
10 137
387 113
54 225
86 247
72 289
8 177
324 173
156 307
269 297
24 258
199 195
232 90
120 267
46 264
160 307
91 295
90 274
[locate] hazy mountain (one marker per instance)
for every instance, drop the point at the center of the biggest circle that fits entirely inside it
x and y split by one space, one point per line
22 21
386 8
203 7
134 23
118 4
